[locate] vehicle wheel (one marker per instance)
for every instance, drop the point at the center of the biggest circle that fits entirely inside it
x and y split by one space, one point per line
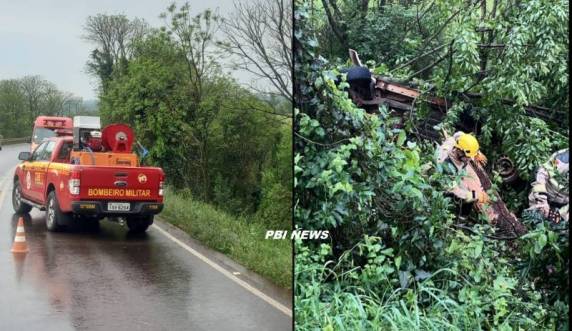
506 170
361 83
20 207
139 224
358 74
54 216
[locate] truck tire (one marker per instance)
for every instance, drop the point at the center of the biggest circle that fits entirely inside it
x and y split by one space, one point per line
360 80
20 207
358 74
139 224
54 216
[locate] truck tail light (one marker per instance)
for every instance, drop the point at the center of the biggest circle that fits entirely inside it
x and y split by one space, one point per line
74 183
161 188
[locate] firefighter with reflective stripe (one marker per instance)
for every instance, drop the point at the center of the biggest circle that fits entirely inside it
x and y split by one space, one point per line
459 149
549 195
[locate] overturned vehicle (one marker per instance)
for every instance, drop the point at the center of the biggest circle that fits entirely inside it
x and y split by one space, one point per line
371 92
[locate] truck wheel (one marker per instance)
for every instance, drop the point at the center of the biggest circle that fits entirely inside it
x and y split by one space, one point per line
359 74
54 216
139 224
20 207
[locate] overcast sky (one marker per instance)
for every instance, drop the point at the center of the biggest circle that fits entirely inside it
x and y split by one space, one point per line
43 37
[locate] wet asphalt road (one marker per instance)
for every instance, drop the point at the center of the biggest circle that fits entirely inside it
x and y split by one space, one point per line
108 280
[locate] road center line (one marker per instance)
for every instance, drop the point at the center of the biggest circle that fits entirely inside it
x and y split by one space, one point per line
227 273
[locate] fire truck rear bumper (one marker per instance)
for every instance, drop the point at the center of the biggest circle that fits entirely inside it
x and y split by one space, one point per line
102 208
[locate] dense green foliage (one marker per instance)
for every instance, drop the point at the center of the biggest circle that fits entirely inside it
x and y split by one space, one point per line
400 257
236 237
24 99
213 137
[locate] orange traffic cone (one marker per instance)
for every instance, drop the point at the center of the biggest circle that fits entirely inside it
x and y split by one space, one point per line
20 245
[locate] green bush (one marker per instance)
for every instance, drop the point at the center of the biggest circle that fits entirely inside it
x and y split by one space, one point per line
399 258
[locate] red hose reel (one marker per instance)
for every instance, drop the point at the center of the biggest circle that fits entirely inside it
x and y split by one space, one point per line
117 138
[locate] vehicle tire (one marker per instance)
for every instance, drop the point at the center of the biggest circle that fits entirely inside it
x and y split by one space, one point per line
506 169
20 207
139 224
360 80
54 216
359 75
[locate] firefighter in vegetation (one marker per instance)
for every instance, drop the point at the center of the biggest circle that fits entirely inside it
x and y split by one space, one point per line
459 150
549 195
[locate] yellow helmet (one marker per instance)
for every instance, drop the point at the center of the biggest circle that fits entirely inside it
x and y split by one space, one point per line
468 144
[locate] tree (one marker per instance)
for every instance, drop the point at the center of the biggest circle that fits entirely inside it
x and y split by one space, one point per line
489 58
113 36
336 21
193 36
60 103
198 123
259 36
24 99
12 109
33 88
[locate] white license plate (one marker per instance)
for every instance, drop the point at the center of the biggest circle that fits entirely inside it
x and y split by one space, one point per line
118 206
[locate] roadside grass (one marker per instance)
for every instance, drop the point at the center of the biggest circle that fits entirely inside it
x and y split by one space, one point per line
241 239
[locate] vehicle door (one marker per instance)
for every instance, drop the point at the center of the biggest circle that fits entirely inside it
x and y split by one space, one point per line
28 170
41 170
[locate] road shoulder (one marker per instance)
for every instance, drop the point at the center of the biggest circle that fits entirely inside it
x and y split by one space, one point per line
282 296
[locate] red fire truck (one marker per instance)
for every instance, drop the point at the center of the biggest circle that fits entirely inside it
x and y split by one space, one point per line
88 176
50 126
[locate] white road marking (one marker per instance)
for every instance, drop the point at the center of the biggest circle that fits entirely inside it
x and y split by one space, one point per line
226 273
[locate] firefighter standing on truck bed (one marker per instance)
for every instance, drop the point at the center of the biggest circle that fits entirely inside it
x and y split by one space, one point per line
549 195
459 150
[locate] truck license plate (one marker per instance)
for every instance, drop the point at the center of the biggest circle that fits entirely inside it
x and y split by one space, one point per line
118 206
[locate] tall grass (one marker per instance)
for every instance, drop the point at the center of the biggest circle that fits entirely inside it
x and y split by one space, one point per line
240 238
331 294
340 307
